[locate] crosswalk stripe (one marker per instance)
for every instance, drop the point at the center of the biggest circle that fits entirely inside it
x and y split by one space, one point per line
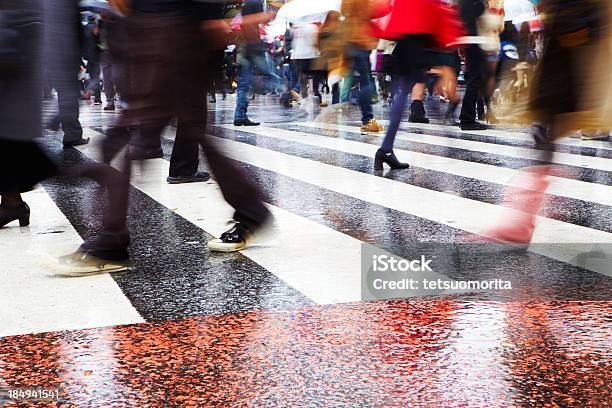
593 192
505 134
34 302
598 163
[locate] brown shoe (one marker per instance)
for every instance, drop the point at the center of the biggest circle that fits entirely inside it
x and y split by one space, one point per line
372 127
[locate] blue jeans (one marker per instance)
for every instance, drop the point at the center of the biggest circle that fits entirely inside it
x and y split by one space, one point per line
361 65
250 58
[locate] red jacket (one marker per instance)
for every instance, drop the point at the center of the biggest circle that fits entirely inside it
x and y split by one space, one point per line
404 17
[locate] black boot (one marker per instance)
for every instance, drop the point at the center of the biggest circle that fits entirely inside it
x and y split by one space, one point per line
389 158
245 122
449 115
417 112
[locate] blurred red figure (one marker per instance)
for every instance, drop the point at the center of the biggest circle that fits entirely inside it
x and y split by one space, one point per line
567 95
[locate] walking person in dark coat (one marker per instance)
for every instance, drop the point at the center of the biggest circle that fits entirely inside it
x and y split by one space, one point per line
62 56
471 10
22 163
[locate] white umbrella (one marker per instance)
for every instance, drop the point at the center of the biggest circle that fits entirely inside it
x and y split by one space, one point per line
301 11
307 11
98 7
515 9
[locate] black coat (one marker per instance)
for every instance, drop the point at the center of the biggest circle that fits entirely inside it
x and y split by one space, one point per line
21 29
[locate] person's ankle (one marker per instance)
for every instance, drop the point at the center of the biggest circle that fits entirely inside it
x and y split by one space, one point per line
10 201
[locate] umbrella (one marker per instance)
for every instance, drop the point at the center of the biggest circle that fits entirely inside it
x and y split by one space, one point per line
523 9
307 11
97 6
302 11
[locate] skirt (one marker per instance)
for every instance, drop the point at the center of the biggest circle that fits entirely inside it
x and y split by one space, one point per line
22 166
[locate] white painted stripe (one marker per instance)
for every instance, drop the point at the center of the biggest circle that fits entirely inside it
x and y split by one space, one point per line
593 192
598 163
510 134
32 301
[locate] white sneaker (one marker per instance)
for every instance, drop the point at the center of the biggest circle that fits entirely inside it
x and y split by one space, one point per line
232 240
80 264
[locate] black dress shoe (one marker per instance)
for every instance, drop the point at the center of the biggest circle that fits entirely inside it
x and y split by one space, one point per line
473 126
245 122
389 158
81 141
109 107
417 119
21 213
199 177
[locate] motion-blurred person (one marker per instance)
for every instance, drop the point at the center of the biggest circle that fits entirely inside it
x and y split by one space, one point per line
359 43
22 163
111 72
471 11
385 47
416 25
447 65
571 90
251 56
330 48
92 53
490 25
305 53
168 50
62 56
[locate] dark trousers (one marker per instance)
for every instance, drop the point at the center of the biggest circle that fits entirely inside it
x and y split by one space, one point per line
304 72
93 69
361 64
166 73
475 83
68 96
109 74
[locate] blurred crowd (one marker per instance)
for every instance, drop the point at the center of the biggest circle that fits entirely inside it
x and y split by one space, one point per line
163 61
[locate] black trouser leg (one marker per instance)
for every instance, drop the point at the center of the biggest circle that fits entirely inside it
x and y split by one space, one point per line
68 100
191 125
475 83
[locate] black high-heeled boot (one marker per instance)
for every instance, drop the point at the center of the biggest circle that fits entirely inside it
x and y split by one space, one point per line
389 158
21 213
417 112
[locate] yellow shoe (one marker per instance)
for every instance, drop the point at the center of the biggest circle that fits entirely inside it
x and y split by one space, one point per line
372 127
